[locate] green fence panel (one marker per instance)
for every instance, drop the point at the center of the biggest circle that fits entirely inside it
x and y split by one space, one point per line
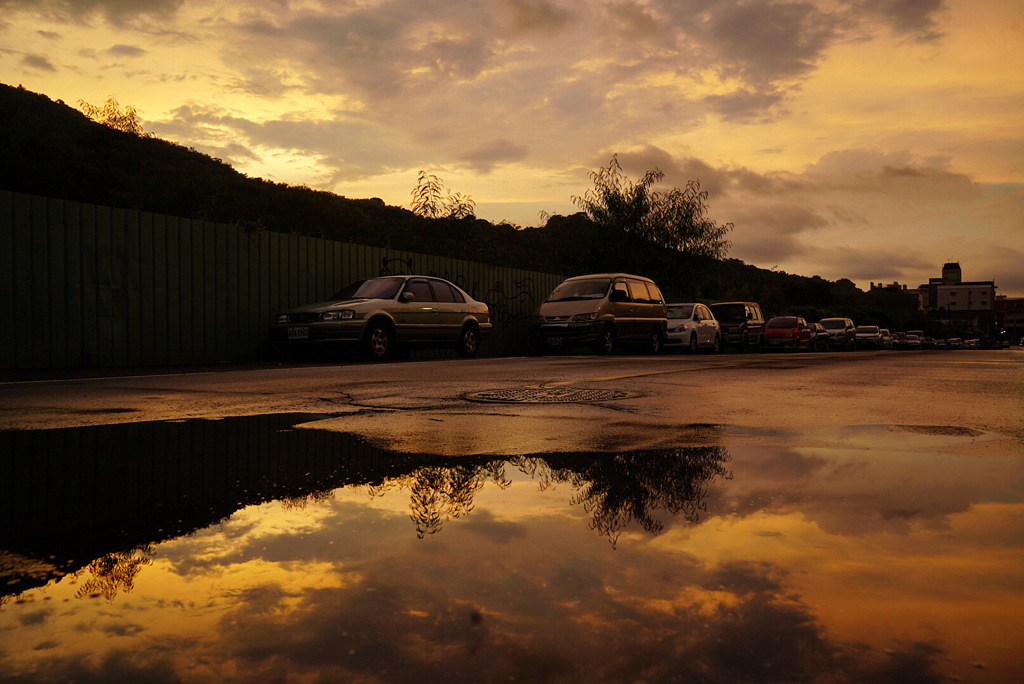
10 331
82 284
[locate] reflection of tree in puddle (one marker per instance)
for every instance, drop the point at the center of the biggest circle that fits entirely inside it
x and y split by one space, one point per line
621 489
300 501
439 493
617 490
114 572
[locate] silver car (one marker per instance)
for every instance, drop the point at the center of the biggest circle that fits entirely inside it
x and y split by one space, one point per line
388 316
693 327
842 333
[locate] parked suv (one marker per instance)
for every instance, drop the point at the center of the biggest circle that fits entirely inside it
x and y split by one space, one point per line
788 332
842 333
869 337
742 324
602 311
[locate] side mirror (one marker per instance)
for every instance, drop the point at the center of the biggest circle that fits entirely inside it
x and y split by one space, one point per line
407 296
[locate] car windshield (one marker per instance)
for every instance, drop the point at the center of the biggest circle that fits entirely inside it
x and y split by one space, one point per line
729 312
684 311
833 323
867 329
782 322
572 290
374 288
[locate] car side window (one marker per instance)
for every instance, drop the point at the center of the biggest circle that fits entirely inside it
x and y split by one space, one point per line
638 291
656 295
620 287
705 313
442 291
420 290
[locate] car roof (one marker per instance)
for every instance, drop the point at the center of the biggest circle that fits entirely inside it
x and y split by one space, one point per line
609 275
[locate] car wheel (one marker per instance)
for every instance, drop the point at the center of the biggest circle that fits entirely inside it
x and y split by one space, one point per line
469 343
656 343
693 343
378 342
607 343
716 347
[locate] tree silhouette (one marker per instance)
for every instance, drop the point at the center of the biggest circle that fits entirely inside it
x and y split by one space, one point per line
111 114
676 219
431 199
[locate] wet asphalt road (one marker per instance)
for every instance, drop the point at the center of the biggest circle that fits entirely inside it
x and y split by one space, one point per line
565 403
792 517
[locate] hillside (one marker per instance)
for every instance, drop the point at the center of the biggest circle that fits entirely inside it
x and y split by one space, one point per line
48 148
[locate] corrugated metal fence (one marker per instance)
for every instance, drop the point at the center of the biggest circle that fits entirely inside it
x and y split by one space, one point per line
85 285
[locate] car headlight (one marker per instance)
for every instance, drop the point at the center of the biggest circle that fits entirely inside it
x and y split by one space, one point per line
585 318
536 320
341 315
282 318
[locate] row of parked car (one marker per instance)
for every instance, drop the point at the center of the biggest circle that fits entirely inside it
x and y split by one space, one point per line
391 315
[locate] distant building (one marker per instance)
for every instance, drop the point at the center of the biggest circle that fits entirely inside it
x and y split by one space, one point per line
958 303
1009 315
891 286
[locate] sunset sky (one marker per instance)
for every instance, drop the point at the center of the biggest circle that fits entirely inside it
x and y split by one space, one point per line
866 139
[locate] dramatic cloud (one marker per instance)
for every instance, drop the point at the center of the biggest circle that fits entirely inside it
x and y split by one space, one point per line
820 128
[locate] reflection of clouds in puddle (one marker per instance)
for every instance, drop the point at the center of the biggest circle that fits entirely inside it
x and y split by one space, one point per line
561 607
811 564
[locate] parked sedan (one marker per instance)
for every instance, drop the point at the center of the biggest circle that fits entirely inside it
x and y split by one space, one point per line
693 327
819 338
387 316
912 342
788 332
887 338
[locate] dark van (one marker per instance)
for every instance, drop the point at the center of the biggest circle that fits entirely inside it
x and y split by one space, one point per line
742 324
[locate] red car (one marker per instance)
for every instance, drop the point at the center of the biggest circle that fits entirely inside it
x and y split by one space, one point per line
788 332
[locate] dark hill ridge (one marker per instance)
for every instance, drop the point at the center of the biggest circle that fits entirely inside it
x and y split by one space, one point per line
54 150
48 148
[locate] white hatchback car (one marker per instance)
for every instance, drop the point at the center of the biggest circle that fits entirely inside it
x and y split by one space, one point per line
694 327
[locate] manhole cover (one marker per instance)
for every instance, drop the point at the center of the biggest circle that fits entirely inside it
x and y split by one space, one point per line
553 395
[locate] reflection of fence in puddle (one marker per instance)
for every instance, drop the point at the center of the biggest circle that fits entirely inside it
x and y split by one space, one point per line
105 492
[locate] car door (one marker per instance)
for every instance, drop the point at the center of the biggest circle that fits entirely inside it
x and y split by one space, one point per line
622 308
641 312
705 325
451 310
803 334
416 318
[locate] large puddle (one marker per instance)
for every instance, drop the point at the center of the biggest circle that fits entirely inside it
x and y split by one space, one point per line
249 550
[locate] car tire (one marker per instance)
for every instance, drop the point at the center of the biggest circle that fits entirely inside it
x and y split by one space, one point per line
607 344
693 344
656 343
469 342
716 347
378 341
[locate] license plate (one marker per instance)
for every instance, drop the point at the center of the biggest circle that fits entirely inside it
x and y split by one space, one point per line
554 341
300 332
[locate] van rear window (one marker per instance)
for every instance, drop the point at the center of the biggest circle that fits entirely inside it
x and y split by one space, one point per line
729 312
